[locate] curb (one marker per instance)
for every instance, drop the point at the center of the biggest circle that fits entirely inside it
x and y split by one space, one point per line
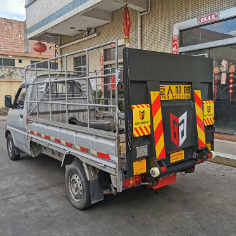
3 117
224 159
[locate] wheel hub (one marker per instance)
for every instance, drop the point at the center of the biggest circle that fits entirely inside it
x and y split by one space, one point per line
10 147
75 187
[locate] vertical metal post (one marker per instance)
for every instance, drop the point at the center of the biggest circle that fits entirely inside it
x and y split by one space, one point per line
67 115
96 99
26 94
111 88
117 117
116 86
37 100
50 92
87 77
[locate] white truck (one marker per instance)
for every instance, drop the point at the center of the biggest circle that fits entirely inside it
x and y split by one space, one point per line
142 135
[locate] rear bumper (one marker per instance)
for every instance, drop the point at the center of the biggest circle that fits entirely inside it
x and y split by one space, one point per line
180 166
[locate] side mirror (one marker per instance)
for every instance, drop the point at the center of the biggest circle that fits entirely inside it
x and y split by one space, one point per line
8 102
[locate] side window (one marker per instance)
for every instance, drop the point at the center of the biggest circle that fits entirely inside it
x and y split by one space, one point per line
44 65
20 98
59 88
80 65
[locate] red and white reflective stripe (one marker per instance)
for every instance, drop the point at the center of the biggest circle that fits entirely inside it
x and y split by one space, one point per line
100 154
83 149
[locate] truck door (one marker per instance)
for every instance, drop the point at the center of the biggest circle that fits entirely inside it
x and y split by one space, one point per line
17 119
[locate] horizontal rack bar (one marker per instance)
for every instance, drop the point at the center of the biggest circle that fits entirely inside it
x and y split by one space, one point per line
74 104
74 53
71 79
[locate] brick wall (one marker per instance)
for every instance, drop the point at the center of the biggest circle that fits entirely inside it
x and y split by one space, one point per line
12 40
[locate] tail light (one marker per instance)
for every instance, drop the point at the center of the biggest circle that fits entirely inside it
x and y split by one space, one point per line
129 182
200 161
209 155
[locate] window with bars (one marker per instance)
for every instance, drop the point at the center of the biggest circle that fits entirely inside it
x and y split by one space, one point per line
7 62
80 65
44 65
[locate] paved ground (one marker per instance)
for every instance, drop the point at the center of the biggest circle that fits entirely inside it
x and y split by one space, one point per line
33 201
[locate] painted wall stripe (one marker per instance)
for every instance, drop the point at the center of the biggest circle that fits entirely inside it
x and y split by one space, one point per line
59 13
199 118
158 125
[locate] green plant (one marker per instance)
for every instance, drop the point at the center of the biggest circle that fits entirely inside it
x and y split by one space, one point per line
97 94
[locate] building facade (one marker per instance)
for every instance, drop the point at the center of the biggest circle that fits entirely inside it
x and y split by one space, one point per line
16 51
156 25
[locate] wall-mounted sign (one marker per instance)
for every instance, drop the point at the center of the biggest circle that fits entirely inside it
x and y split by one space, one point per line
175 40
102 71
208 18
223 78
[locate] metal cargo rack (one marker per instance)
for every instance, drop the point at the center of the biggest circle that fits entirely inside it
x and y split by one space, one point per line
96 140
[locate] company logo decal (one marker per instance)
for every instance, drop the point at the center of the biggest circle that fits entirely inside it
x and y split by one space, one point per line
208 109
178 128
141 114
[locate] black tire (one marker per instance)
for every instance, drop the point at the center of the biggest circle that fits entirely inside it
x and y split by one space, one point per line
77 186
11 149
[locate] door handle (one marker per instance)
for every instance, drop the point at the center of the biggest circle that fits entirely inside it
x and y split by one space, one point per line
21 116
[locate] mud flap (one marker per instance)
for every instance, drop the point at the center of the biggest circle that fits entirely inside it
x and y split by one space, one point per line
96 191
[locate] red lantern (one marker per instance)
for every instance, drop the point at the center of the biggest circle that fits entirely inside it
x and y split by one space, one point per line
231 84
39 48
126 24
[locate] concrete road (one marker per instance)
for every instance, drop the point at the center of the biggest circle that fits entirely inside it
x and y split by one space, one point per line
33 201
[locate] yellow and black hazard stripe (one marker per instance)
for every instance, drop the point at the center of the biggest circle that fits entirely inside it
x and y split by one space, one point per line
141 129
210 120
158 125
199 118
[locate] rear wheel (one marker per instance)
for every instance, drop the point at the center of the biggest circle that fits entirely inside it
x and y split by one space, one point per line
11 149
77 186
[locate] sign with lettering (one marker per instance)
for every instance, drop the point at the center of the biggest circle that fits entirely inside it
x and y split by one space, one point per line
175 40
208 18
172 92
102 71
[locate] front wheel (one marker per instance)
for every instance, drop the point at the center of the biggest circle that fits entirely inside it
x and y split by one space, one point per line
77 186
11 149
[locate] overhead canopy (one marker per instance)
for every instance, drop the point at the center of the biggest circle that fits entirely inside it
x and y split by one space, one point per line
72 17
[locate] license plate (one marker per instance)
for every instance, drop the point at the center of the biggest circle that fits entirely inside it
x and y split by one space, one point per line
139 166
176 156
209 146
172 92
